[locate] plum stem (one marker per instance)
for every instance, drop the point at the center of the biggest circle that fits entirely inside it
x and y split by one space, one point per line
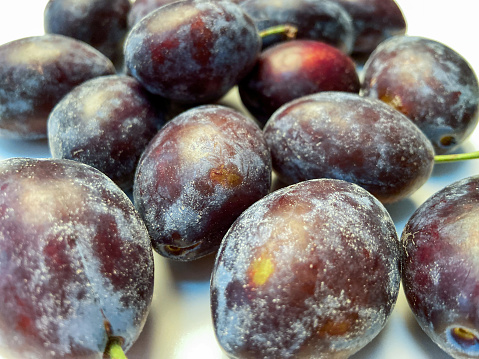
289 31
456 157
115 351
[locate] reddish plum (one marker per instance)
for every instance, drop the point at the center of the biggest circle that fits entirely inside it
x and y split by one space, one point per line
35 73
349 137
192 51
100 23
75 258
430 83
309 271
106 123
441 267
294 69
196 176
315 20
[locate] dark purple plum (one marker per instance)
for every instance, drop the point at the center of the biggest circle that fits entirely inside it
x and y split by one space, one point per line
294 69
430 83
315 20
35 73
440 264
75 259
374 21
196 176
345 136
192 51
106 122
309 271
101 24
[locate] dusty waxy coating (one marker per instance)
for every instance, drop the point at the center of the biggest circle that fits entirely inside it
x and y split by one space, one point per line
294 69
315 20
441 267
100 23
141 8
309 271
374 21
106 123
430 83
75 260
345 136
35 73
196 177
192 51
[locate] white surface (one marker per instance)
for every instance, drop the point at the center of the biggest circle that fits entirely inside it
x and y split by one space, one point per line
179 326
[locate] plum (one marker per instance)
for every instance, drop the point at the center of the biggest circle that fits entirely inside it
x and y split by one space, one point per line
323 20
75 260
294 69
35 73
141 8
309 271
440 264
201 170
374 21
106 122
345 136
192 51
101 24
430 83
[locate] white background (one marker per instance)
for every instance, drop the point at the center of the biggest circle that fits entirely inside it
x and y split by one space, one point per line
179 326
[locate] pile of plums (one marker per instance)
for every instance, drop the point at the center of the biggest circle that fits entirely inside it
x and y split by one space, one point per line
339 106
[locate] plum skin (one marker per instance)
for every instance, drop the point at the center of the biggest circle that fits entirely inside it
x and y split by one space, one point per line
106 122
311 270
35 73
196 56
294 69
76 261
346 136
440 264
430 83
201 170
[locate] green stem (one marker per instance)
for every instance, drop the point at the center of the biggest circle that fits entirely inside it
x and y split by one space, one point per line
115 350
289 31
456 157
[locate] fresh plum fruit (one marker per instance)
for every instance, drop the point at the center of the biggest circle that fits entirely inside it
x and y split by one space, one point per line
324 20
192 51
101 24
35 73
430 83
374 21
75 259
141 8
106 122
294 69
197 175
309 271
441 267
349 137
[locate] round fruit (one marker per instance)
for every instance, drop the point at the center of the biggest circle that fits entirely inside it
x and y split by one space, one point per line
196 176
345 136
192 51
294 69
430 83
75 259
441 267
309 271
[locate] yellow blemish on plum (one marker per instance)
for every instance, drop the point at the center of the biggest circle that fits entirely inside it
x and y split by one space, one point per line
394 101
335 328
260 270
228 177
